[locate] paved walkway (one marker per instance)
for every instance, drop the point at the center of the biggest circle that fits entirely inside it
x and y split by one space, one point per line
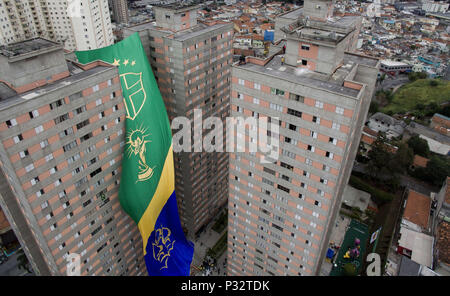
208 239
337 237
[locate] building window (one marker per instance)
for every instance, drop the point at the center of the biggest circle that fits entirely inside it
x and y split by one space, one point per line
29 168
11 123
297 98
24 153
304 62
276 91
294 112
33 114
305 47
39 129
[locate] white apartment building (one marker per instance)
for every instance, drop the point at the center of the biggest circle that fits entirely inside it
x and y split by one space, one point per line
78 24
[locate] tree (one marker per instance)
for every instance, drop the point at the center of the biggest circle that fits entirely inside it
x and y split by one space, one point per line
434 82
431 108
445 111
413 76
350 269
374 106
419 146
403 158
438 168
379 157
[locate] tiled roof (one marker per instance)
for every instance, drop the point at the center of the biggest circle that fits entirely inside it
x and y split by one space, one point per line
420 161
443 242
441 119
417 208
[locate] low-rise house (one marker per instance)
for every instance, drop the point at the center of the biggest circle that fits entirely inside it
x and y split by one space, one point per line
243 40
419 161
416 245
381 122
442 249
416 214
257 41
438 143
441 124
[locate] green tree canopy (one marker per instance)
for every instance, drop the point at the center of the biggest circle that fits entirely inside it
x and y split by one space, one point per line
350 269
438 168
403 158
419 146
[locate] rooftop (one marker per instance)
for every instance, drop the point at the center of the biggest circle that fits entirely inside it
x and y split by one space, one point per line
182 35
443 239
420 245
417 209
179 7
26 47
353 197
76 74
332 83
420 161
295 14
197 31
441 118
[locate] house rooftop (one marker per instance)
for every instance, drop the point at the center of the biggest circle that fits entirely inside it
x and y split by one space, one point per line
420 161
443 239
420 245
417 209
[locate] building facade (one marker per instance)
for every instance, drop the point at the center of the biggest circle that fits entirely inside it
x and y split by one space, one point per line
62 137
191 61
282 213
119 10
79 25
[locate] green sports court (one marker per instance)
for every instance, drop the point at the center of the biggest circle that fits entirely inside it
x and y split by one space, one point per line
355 230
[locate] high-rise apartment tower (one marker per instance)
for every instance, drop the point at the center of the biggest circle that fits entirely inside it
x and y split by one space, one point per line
192 64
78 24
282 213
61 143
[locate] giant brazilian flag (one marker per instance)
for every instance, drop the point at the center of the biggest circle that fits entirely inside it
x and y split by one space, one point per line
147 185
